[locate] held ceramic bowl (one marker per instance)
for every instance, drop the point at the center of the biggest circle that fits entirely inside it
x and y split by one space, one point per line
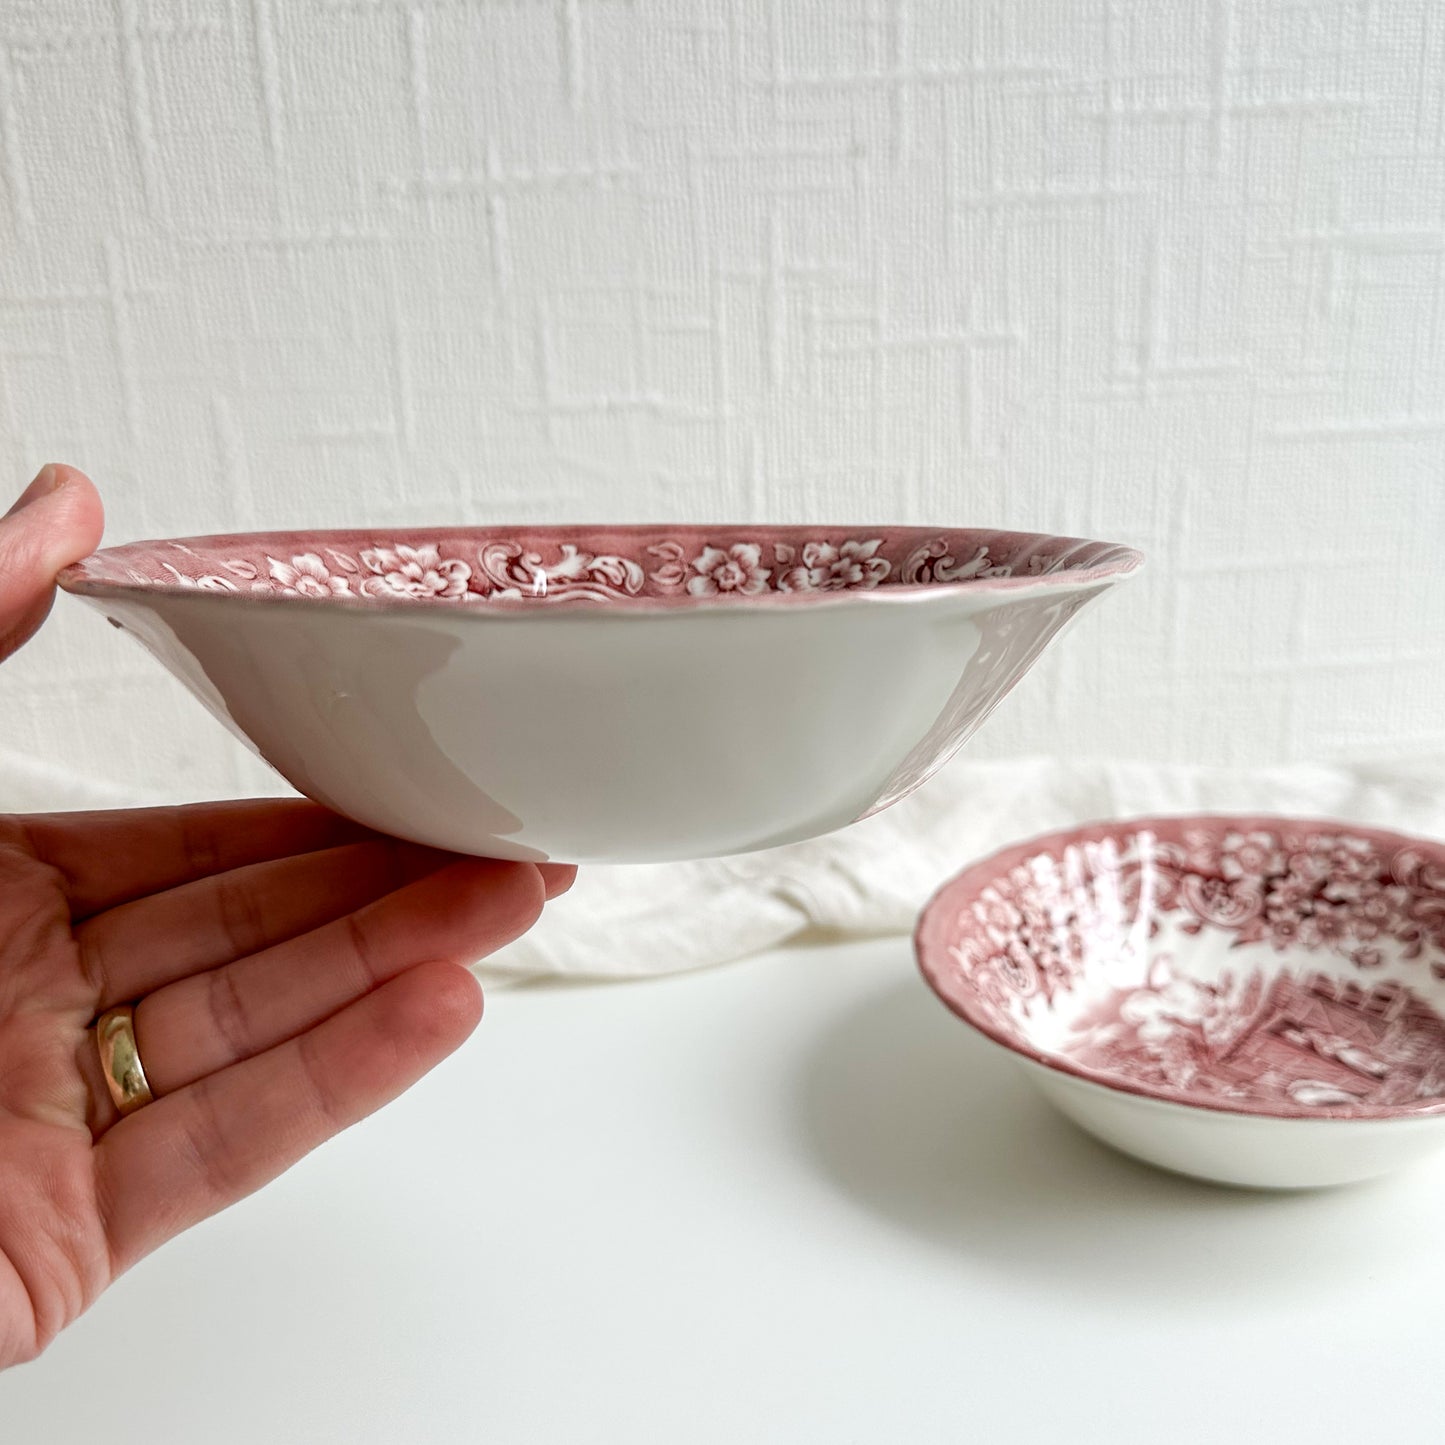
626 694
1258 1001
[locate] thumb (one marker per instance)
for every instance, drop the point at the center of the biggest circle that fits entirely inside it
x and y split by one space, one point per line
56 520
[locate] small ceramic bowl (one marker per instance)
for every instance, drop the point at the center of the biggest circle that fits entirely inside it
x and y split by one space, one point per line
1254 1000
628 694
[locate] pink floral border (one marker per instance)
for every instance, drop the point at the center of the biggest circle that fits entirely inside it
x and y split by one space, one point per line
1347 1025
650 566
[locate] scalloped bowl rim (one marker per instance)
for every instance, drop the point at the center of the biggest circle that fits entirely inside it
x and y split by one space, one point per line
1113 562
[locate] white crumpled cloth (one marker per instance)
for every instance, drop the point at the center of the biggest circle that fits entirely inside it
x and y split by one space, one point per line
872 878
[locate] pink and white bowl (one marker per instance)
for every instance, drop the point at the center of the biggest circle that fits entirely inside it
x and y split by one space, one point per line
622 694
1254 1000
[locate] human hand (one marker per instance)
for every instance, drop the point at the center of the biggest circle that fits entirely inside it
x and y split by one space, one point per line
290 971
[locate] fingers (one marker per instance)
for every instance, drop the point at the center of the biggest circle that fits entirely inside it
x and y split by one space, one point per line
139 946
136 947
205 1023
559 877
108 858
57 520
181 1159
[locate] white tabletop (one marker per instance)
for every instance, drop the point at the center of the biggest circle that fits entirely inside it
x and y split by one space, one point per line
792 1200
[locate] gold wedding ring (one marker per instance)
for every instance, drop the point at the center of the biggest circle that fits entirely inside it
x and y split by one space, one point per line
120 1059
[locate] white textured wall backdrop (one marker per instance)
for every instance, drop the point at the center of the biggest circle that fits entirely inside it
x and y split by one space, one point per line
1161 271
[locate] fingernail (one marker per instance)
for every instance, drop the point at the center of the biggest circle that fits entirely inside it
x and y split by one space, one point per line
47 479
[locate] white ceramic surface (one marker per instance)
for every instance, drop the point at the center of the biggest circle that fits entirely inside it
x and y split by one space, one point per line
635 695
1242 1149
